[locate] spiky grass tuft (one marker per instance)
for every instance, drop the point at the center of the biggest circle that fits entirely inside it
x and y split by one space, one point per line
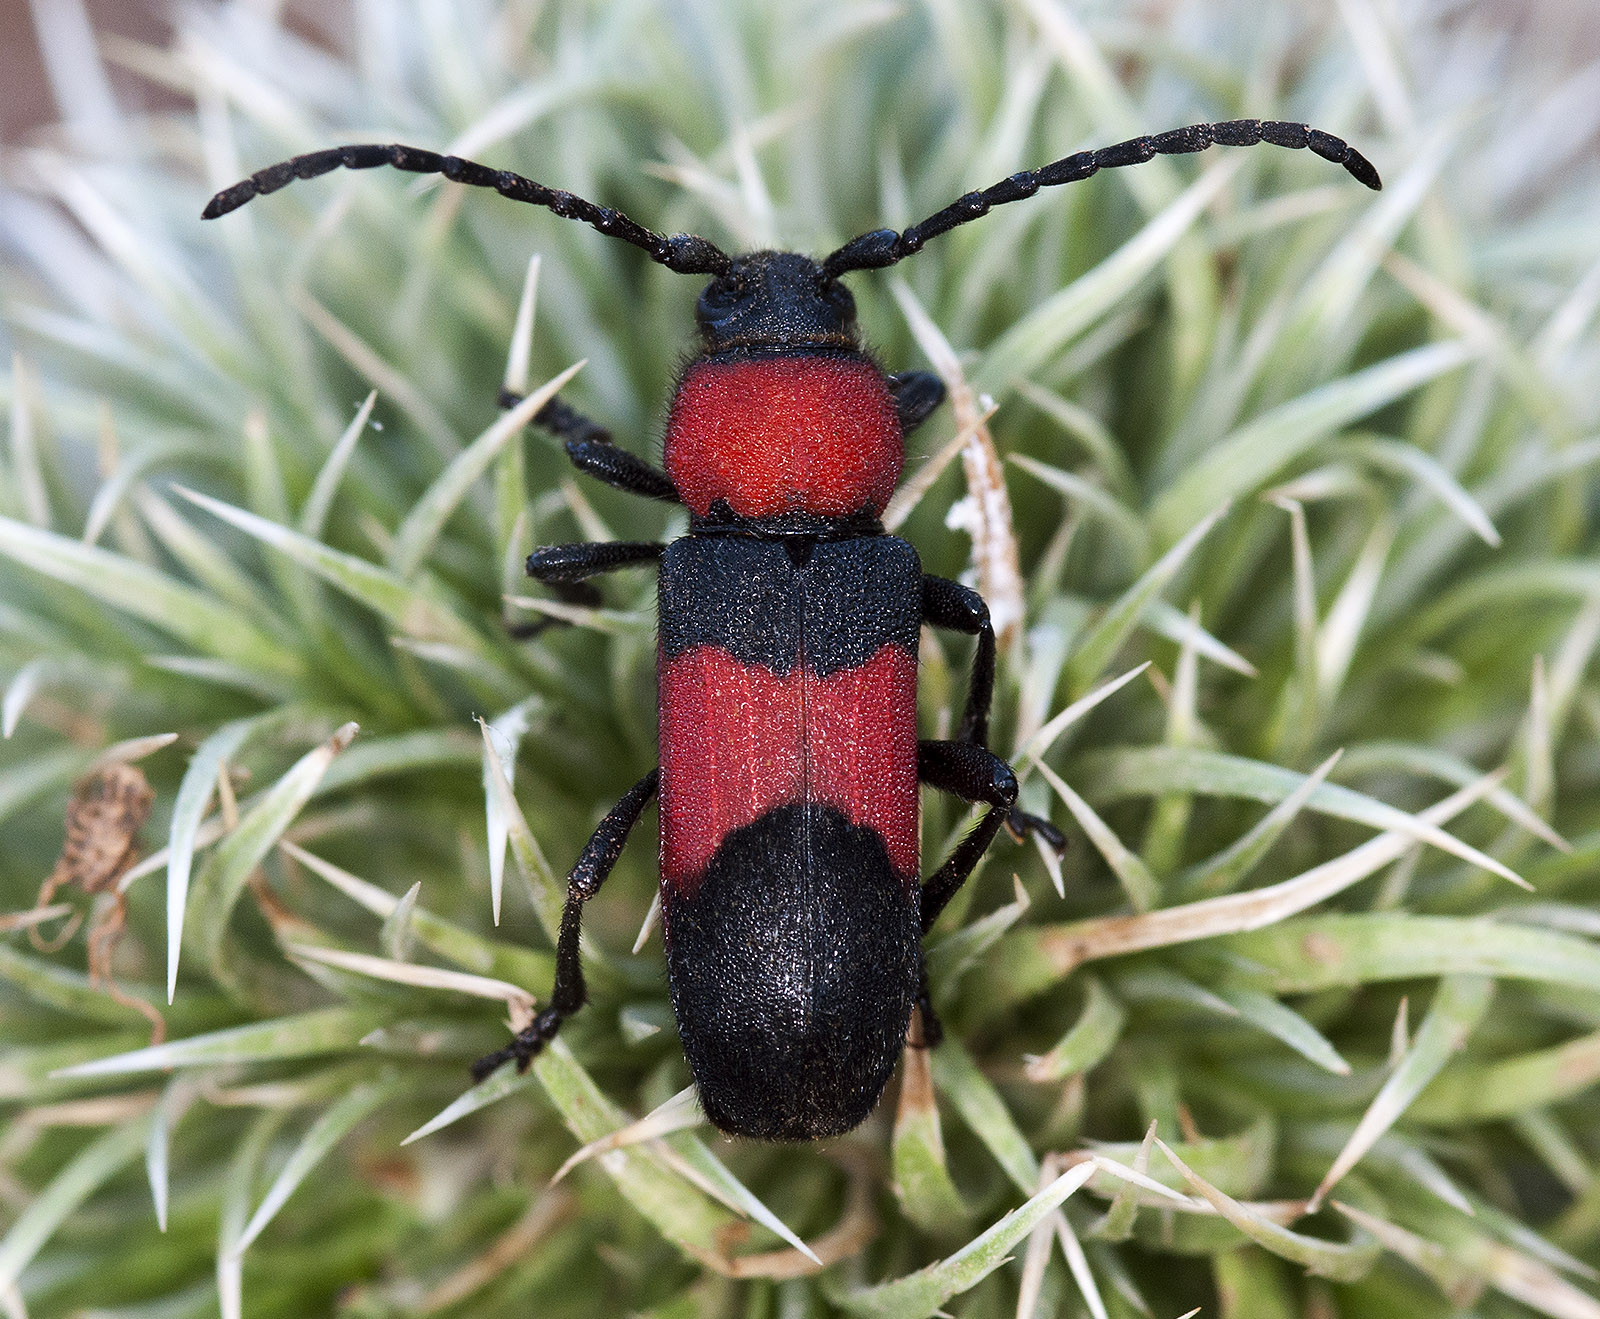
1297 470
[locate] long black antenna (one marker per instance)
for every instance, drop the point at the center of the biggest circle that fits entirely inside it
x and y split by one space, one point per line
689 254
883 247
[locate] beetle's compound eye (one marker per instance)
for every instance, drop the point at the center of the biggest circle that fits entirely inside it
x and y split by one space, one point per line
722 295
838 297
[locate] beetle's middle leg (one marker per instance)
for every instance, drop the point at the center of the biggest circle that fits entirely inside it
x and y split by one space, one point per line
565 569
958 608
594 864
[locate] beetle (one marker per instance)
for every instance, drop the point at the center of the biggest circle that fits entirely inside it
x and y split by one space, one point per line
793 914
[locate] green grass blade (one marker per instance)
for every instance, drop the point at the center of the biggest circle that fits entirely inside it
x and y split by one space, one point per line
314 515
417 534
1090 1038
405 608
1042 334
505 733
1225 871
922 1293
957 1076
95 1165
920 1171
189 808
1457 1009
1148 771
66 990
332 1125
1131 872
1366 949
1508 1086
228 866
490 1090
1342 1261
1260 449
1100 645
1285 1024
305 1035
136 589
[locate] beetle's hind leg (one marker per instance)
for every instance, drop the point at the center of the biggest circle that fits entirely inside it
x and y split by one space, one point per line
594 864
932 1030
972 773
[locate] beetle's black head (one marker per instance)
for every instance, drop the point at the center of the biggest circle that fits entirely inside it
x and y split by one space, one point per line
776 300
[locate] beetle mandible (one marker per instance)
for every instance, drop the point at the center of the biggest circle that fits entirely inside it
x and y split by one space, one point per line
792 910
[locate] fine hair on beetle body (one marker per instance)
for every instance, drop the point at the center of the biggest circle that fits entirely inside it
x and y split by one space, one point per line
793 902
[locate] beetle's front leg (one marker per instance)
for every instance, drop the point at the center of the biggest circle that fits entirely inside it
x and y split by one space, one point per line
591 450
916 395
594 864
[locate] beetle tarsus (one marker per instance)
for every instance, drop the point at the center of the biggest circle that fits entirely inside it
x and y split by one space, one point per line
1019 824
525 1045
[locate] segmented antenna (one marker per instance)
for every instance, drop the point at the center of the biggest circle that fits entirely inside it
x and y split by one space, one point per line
688 254
883 247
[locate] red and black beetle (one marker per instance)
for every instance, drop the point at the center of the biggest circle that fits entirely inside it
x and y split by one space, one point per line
792 910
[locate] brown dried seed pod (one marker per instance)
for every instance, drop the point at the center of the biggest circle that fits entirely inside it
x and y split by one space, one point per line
108 807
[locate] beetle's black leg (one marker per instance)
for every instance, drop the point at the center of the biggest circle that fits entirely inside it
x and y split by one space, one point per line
591 450
621 470
560 419
932 1028
959 608
972 773
1019 824
968 771
596 861
560 564
564 568
943 884
916 395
